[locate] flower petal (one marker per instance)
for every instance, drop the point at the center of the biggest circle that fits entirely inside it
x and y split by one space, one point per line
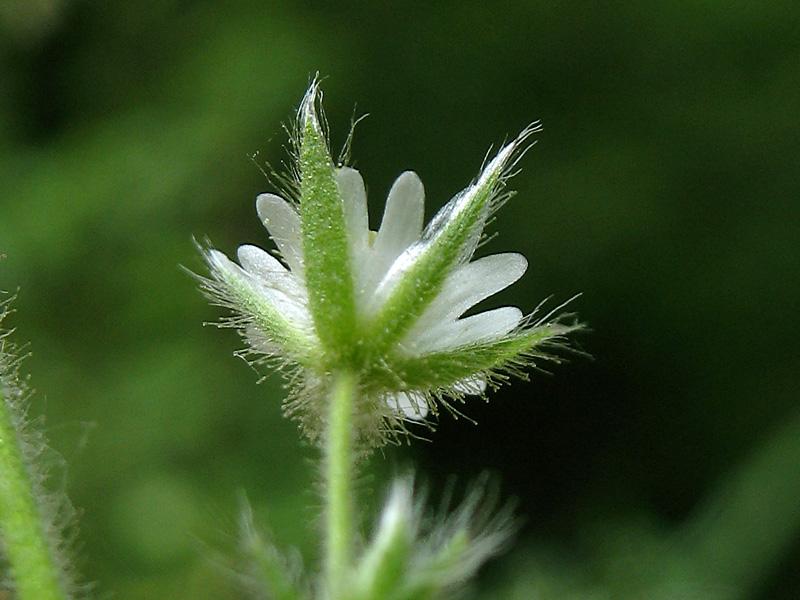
258 262
416 277
354 199
402 219
269 270
283 223
468 285
400 228
483 327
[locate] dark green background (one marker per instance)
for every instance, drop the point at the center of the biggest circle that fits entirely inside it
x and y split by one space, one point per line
664 188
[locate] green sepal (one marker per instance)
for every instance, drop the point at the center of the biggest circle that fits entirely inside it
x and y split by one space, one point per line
328 269
450 238
268 570
236 291
382 571
442 370
436 574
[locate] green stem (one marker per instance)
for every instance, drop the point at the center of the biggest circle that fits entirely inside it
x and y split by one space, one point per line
25 544
338 479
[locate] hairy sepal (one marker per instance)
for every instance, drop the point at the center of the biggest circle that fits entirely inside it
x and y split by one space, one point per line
328 265
269 573
450 239
442 372
383 568
420 555
232 287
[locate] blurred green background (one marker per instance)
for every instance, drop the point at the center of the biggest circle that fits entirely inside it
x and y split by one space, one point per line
665 187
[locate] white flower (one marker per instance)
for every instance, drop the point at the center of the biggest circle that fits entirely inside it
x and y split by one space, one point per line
387 304
380 259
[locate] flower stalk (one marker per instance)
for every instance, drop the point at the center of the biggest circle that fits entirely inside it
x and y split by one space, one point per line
339 461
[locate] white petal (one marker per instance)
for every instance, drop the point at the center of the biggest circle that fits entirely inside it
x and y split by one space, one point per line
222 264
269 271
450 215
400 228
410 406
259 262
471 283
283 223
402 219
472 386
483 327
354 198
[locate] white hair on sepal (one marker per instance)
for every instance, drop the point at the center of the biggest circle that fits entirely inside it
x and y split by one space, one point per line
55 512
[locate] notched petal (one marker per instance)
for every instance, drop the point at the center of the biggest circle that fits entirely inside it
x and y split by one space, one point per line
283 223
402 219
483 327
354 200
468 285
417 276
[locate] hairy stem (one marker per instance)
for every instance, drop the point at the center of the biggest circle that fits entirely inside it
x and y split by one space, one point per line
338 480
25 544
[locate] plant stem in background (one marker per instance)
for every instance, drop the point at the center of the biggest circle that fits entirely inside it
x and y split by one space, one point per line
25 544
339 461
750 521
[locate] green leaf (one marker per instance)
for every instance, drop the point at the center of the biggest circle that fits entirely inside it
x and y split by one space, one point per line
328 268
